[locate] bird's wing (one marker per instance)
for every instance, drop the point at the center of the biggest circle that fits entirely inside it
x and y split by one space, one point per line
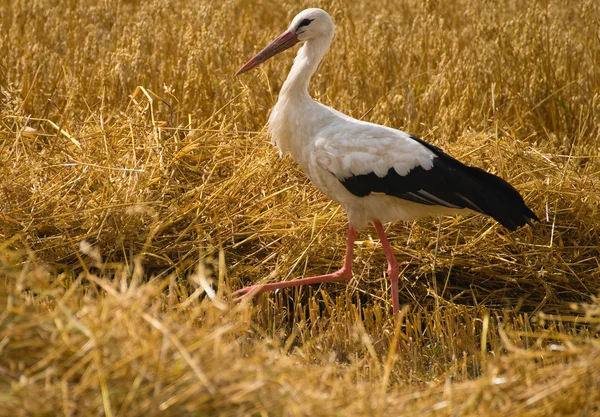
368 158
374 159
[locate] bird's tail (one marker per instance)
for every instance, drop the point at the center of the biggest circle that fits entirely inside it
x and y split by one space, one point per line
495 197
482 192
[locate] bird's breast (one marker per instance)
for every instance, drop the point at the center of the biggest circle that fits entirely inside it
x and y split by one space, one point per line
291 132
280 127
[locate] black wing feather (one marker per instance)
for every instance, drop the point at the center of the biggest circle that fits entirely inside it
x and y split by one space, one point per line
449 183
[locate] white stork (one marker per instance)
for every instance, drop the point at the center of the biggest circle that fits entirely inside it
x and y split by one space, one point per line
378 174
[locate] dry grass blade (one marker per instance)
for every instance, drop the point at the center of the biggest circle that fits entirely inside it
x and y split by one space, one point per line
137 190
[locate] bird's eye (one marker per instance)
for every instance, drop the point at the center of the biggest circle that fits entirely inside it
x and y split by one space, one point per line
305 22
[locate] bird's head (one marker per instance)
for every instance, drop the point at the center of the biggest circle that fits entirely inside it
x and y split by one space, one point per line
307 25
312 24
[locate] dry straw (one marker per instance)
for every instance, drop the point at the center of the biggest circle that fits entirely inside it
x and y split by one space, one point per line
138 189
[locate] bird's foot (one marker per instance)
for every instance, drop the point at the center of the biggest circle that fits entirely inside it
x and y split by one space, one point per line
343 274
246 292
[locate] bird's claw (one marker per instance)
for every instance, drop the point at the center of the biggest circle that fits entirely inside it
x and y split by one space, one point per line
245 292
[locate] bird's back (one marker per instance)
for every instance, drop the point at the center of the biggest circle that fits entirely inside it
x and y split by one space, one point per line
350 160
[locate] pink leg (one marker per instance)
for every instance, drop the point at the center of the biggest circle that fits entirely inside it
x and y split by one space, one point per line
393 269
343 274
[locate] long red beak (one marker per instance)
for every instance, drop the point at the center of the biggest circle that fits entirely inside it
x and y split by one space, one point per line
286 40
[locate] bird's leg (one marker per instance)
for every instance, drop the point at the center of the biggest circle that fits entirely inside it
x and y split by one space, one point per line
342 274
393 269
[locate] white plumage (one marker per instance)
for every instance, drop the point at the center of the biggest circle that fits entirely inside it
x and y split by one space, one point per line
378 174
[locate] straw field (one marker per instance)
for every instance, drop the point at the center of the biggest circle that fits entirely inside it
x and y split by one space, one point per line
138 189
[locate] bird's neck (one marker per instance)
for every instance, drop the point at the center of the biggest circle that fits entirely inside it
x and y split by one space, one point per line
290 111
305 64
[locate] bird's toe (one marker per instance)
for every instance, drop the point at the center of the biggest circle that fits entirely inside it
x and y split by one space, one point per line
245 292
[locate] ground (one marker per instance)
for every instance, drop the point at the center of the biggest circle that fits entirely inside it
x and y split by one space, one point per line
138 189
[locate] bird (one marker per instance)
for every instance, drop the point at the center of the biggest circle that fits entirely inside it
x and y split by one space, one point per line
377 173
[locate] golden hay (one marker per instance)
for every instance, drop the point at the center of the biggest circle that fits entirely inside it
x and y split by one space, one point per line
138 189
138 349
